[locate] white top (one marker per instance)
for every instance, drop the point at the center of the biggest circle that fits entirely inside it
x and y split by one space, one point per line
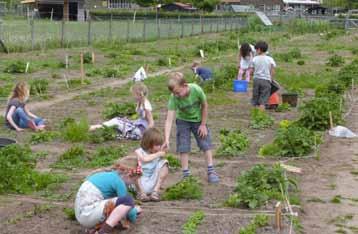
262 66
141 108
245 63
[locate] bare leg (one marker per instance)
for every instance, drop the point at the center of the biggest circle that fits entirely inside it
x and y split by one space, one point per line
94 127
184 159
163 173
117 214
209 157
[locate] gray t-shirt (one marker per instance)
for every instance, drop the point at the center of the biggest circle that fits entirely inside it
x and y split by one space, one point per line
13 102
262 66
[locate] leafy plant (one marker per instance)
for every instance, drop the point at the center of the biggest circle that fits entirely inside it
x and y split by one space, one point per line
258 185
260 119
301 62
191 225
76 131
105 156
162 62
41 137
38 87
188 188
70 213
233 142
74 157
222 78
114 110
349 73
283 107
103 134
87 57
335 61
17 66
75 83
173 161
17 164
260 220
110 72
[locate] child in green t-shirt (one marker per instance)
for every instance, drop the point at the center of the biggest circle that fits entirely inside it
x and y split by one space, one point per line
189 106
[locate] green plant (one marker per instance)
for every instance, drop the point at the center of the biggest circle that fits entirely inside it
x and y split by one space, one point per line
17 164
301 62
75 83
38 87
70 213
110 72
74 157
173 161
114 110
188 188
103 134
260 119
191 225
17 66
349 73
162 62
41 137
87 57
233 142
335 61
105 156
283 107
76 131
260 220
258 185
336 199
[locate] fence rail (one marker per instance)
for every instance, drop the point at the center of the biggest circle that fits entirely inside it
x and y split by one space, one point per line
36 33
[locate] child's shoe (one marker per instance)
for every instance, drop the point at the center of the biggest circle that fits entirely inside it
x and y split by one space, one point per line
155 196
143 197
213 178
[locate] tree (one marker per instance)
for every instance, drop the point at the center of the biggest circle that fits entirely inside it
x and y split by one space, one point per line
350 4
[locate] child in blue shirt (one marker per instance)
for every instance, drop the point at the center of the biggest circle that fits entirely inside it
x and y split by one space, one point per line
203 72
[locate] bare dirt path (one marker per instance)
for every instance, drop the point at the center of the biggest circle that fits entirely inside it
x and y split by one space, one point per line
329 186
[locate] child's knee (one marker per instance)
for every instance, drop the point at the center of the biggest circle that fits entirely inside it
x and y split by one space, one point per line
126 201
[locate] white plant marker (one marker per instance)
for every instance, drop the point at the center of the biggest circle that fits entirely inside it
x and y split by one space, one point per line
202 54
170 61
27 67
93 58
238 44
134 14
66 81
66 61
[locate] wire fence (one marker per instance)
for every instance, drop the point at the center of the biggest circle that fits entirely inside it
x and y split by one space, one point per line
18 35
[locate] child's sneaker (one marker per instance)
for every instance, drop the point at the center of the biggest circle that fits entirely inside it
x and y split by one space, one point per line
213 178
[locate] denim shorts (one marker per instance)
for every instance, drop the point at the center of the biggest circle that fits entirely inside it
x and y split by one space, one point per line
183 136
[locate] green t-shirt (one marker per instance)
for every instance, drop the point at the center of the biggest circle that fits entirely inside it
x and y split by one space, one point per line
188 108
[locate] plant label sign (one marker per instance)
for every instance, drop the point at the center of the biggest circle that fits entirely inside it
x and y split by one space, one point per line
140 75
201 53
170 61
27 67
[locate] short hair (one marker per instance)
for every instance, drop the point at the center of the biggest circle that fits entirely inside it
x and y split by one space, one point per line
195 64
263 46
151 137
176 79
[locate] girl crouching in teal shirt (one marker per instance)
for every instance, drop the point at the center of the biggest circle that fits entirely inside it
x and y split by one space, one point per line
102 201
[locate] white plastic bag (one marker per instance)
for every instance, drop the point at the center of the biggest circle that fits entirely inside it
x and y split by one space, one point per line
140 75
341 131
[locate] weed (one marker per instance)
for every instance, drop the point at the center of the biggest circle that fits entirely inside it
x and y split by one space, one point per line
38 87
41 137
260 220
75 83
259 185
17 66
260 119
173 161
349 73
110 72
105 156
297 225
76 131
301 62
119 110
103 134
191 225
335 61
315 199
336 199
87 57
162 62
188 188
70 213
232 142
283 107
72 158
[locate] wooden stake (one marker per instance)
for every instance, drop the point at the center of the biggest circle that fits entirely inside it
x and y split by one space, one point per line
93 58
278 216
82 69
27 67
330 120
66 61
66 81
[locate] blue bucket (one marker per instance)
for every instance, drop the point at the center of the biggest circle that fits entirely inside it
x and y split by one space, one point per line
240 86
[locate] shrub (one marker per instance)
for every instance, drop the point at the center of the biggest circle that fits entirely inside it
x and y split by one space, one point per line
72 158
188 188
101 135
349 73
260 220
260 119
41 137
232 142
315 113
191 225
76 131
17 66
333 87
173 161
17 172
114 110
38 87
335 61
258 185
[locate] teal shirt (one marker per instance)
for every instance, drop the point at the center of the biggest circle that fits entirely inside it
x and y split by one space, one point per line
111 185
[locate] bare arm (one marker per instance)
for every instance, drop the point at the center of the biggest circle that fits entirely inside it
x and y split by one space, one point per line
149 157
149 117
28 112
10 120
168 126
204 112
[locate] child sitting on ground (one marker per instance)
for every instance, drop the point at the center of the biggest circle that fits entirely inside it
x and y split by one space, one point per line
143 109
264 69
17 114
203 72
155 169
188 105
245 59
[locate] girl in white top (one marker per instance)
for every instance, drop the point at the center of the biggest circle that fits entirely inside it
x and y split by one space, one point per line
245 61
143 109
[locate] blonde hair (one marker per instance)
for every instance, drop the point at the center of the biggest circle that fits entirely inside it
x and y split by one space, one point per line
140 89
151 137
176 79
20 91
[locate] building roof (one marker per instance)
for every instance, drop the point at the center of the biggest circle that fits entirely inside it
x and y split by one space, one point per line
230 1
303 2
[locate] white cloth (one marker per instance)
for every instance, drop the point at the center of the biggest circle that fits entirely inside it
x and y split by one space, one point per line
89 205
262 66
245 63
341 131
140 75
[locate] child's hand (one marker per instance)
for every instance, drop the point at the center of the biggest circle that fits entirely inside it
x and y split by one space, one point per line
20 129
161 153
165 146
203 131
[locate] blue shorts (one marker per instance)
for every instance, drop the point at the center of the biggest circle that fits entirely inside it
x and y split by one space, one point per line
183 140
